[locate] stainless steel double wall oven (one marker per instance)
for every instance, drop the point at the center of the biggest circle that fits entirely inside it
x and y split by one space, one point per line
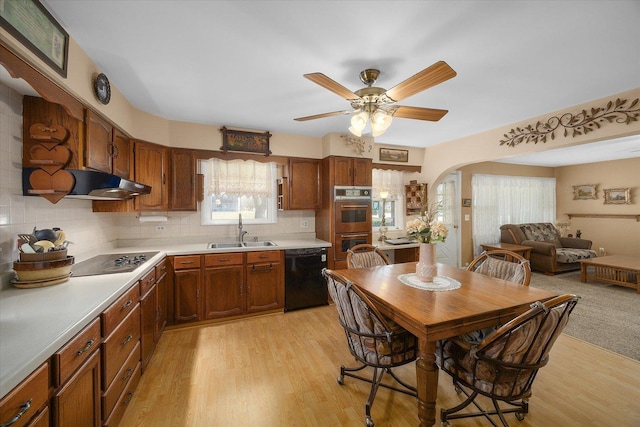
352 218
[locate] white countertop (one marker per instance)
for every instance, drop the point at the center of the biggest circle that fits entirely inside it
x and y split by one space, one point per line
35 323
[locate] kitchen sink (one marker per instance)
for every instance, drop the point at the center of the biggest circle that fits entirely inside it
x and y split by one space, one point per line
259 244
217 245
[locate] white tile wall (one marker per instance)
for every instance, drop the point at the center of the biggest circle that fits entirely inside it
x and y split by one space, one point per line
88 230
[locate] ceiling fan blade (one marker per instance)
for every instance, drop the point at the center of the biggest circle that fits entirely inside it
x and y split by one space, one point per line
320 116
419 113
429 77
332 85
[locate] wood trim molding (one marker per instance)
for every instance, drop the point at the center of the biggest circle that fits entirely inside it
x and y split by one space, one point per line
402 168
50 91
616 216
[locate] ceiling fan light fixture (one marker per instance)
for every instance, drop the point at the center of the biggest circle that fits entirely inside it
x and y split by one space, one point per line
358 123
380 122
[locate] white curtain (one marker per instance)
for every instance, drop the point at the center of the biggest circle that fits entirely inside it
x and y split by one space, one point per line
388 180
240 178
498 200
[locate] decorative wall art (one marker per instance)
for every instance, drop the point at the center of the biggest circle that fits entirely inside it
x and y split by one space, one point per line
392 155
619 111
32 24
238 140
617 196
584 192
359 144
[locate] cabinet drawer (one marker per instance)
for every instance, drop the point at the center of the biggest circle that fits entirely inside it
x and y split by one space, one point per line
117 311
75 352
124 400
119 345
161 268
147 281
263 256
26 398
124 375
186 261
213 260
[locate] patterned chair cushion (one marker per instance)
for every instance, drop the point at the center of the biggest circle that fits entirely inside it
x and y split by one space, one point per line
366 259
569 255
540 231
500 269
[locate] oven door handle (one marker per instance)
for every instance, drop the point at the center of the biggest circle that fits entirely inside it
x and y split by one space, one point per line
349 236
353 206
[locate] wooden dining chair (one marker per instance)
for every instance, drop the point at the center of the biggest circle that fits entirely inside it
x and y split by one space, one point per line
374 340
365 255
504 364
503 264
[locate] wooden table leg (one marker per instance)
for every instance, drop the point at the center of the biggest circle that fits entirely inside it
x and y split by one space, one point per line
583 272
427 382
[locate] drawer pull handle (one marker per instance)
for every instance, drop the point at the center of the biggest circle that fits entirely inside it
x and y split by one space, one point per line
224 259
128 374
126 304
129 398
23 409
127 339
262 268
186 262
86 348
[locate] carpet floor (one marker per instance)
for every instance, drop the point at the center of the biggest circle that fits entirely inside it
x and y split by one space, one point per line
606 315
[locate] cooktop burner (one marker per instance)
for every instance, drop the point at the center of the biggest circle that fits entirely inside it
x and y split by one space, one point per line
111 263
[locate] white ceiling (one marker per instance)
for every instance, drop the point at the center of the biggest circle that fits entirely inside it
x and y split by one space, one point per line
240 63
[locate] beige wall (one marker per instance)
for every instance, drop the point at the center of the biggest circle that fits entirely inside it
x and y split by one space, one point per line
617 236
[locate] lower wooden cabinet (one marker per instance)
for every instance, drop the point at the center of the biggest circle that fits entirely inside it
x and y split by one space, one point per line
28 403
77 401
224 285
265 281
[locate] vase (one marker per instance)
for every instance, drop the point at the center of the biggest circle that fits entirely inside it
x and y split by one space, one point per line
426 268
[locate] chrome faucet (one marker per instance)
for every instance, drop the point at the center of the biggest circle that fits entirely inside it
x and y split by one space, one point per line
241 233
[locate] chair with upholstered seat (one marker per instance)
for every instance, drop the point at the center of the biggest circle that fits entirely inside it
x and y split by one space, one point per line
503 264
504 364
365 255
374 340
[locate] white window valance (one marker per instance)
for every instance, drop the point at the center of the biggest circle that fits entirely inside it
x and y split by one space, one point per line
388 180
240 177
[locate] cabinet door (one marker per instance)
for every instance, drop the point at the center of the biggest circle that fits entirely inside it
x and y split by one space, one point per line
77 402
223 292
265 290
148 304
151 169
98 143
362 172
183 180
342 171
161 299
121 159
304 184
187 296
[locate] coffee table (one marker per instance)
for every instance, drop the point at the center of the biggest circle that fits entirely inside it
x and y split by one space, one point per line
525 251
620 270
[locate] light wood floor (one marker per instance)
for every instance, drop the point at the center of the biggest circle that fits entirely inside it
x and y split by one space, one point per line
281 369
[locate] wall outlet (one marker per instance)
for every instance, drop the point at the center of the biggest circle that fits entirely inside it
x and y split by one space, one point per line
160 227
602 251
304 223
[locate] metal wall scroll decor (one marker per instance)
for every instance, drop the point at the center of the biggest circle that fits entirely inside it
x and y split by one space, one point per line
359 145
238 140
618 111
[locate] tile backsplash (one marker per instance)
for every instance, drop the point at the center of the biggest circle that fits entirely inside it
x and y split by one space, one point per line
88 230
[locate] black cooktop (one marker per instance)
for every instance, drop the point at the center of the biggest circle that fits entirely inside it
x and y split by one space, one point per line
111 264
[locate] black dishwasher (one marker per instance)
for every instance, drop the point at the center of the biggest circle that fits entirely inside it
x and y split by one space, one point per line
304 285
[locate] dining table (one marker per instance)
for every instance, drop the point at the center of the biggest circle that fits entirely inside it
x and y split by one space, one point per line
459 301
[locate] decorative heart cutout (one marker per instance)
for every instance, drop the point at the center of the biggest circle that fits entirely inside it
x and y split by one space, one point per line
53 133
50 160
51 187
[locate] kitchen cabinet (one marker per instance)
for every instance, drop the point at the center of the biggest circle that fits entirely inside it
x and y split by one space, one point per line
148 316
352 171
224 285
300 188
187 284
106 148
265 281
162 283
151 168
29 401
183 180
76 378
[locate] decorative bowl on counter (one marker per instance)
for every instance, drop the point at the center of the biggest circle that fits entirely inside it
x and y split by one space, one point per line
42 273
43 256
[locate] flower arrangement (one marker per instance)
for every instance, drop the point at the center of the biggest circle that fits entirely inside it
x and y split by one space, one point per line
426 231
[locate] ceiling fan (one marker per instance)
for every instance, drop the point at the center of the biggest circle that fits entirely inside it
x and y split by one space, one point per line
377 105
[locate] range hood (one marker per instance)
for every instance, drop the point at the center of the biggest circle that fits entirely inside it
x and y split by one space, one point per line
94 185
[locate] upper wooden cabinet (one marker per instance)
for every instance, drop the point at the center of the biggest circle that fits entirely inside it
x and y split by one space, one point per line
352 171
106 148
151 168
300 187
183 180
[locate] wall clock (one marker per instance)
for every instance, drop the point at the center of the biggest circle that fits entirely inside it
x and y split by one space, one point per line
102 88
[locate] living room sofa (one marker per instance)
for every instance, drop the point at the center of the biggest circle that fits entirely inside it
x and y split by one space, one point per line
551 253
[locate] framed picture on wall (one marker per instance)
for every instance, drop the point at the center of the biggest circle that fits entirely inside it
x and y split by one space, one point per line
617 196
584 192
